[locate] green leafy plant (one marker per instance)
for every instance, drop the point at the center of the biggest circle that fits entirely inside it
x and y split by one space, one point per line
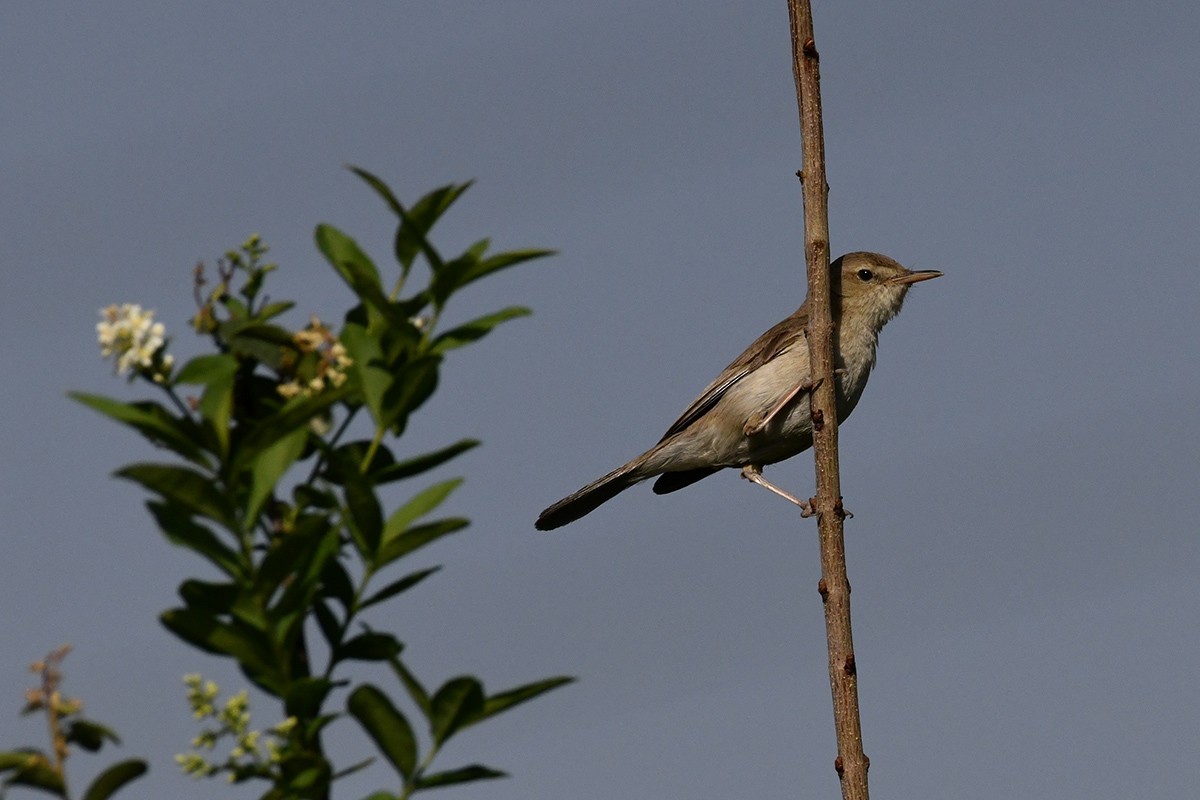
272 488
39 769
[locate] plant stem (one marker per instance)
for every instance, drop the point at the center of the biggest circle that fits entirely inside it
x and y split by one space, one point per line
351 613
851 763
370 454
410 785
337 435
179 404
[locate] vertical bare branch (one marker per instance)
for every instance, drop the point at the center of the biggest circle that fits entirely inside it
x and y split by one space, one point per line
851 763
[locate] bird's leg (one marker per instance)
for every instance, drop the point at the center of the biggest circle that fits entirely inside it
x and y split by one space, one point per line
758 421
753 473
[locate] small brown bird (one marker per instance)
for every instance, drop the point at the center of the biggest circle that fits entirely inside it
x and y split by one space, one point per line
757 411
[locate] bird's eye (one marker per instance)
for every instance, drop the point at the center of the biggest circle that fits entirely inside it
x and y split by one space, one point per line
865 275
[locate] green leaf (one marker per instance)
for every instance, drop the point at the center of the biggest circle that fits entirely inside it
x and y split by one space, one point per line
471 266
307 496
370 646
356 767
475 329
413 385
412 306
152 421
285 555
430 208
296 413
336 583
381 795
474 772
386 726
269 466
349 457
20 759
448 279
514 697
248 615
236 308
415 690
290 610
392 392
38 775
416 537
380 188
454 706
211 598
180 529
90 735
347 258
420 505
301 781
373 376
328 622
203 370
216 373
272 310
501 261
305 696
112 779
299 553
384 370
415 223
365 515
254 282
360 274
396 587
421 463
231 639
185 488
275 335
253 339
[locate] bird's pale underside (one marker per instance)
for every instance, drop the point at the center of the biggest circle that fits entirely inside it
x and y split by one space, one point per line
756 412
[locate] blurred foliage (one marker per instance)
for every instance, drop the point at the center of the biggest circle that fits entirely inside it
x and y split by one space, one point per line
46 771
269 488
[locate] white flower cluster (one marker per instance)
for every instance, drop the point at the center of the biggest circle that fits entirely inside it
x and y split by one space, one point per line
132 337
233 721
331 364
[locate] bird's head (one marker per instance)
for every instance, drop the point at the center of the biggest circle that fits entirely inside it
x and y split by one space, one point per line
868 288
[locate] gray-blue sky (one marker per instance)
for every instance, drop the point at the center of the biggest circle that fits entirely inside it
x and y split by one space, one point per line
1023 467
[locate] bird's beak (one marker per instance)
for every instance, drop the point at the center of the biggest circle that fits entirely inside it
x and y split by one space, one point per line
916 276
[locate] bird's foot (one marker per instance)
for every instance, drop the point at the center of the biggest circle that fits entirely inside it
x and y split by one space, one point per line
841 509
753 473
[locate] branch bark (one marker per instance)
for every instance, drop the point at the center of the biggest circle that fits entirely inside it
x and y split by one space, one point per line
851 763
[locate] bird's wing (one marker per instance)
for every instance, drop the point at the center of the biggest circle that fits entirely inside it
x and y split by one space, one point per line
770 345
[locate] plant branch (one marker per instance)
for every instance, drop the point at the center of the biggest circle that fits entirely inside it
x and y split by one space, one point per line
333 441
851 763
372 449
183 408
410 785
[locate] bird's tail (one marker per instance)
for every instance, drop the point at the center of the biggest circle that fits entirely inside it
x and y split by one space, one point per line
590 497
